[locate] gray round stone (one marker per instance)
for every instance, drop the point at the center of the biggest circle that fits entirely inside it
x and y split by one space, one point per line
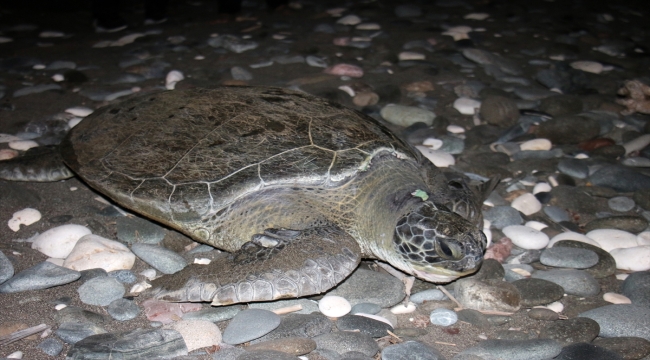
366 308
428 295
606 265
73 332
630 223
620 178
621 203
584 351
627 346
556 213
51 346
123 309
133 229
637 288
299 325
443 317
372 327
487 295
250 324
40 276
123 276
621 320
569 257
574 167
410 350
571 331
538 291
265 355
543 314
162 259
342 342
574 282
371 286
502 216
100 291
533 349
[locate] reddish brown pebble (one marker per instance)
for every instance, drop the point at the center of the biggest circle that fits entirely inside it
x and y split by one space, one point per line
596 143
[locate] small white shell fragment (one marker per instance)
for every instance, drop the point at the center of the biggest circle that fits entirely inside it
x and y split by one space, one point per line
536 225
349 20
376 317
202 261
637 144
6 154
615 298
23 145
172 78
542 187
199 57
467 106
432 143
536 145
588 66
571 235
149 273
334 306
25 216
139 287
458 32
60 306
622 276
39 67
581 156
58 77
80 111
526 237
410 55
59 241
403 309
437 157
527 204
633 258
521 272
557 306
74 122
348 90
610 239
477 16
456 129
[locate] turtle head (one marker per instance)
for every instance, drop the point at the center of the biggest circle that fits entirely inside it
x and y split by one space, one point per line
437 244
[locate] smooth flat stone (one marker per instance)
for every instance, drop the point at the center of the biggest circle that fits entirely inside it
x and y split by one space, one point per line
162 259
131 229
133 344
627 346
40 276
410 350
370 286
606 265
534 349
487 295
73 332
250 324
569 257
291 345
342 342
569 331
100 291
363 324
637 288
443 317
538 291
574 282
621 320
584 351
123 309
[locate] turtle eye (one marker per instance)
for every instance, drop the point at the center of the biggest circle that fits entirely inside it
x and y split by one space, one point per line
449 249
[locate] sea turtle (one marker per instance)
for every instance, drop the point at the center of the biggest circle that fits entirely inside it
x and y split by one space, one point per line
296 188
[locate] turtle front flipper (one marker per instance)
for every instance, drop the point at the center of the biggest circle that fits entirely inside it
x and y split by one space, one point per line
274 265
39 164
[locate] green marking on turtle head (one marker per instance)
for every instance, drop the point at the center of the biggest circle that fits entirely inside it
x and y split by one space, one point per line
421 194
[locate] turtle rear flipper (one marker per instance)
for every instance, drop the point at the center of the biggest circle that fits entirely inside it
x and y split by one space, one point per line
275 265
39 164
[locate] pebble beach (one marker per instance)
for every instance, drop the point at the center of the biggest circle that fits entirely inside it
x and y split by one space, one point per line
551 97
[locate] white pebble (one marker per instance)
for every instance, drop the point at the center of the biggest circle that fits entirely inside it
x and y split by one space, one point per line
139 287
637 144
536 145
542 187
80 111
458 32
60 307
588 66
467 106
527 204
23 145
348 90
74 122
334 306
94 251
536 225
433 143
643 238
58 77
526 237
437 157
622 276
455 129
15 355
25 216
376 317
198 333
477 16
557 306
571 235
172 78
202 261
149 273
58 242
633 258
199 57
403 309
349 20
6 154
409 55
615 298
610 239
